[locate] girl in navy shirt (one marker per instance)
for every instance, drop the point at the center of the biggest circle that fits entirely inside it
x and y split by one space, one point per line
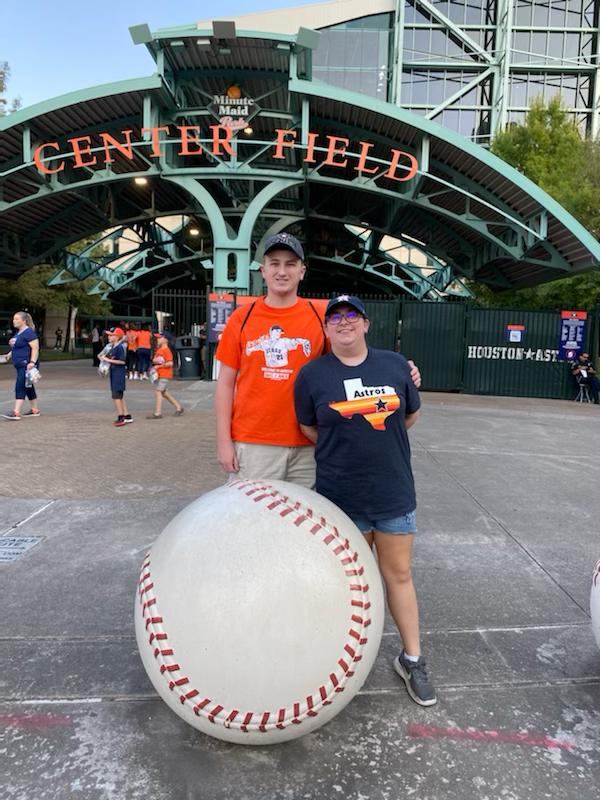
24 354
357 403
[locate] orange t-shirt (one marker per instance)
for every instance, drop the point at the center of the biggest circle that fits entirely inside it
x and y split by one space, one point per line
268 353
144 339
132 338
164 372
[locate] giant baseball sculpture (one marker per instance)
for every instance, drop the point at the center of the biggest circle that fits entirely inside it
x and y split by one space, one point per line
595 603
259 612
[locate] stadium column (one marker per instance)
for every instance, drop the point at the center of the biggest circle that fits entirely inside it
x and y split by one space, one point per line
232 253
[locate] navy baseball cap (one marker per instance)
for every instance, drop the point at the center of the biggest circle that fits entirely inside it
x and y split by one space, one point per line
286 241
346 300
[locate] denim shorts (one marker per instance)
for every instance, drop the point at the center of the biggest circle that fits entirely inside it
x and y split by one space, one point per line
405 523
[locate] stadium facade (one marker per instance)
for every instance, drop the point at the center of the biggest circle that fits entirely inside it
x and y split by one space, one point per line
356 126
471 65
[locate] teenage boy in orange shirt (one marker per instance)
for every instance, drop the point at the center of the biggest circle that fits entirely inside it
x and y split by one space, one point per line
163 364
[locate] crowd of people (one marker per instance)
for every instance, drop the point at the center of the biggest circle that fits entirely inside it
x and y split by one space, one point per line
128 355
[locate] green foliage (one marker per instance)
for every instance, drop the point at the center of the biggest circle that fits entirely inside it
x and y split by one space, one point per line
31 289
4 76
549 150
34 292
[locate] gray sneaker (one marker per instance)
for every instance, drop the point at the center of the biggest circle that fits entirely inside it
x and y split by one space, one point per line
418 683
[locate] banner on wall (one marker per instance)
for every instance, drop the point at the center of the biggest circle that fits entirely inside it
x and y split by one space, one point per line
572 334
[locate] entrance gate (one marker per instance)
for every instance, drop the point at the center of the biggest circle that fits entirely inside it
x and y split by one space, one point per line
458 347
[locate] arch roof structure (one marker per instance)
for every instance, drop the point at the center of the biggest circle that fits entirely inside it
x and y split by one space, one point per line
307 157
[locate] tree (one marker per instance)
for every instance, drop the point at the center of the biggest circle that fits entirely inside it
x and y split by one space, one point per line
32 292
4 103
549 150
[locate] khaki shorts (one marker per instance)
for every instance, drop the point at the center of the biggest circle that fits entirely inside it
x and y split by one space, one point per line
273 462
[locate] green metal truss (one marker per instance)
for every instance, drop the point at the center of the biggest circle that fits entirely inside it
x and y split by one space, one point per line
246 199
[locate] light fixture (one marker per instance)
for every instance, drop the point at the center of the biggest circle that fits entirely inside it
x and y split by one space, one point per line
194 232
140 181
248 130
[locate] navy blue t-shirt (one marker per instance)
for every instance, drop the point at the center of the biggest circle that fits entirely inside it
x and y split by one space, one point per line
117 371
21 349
362 452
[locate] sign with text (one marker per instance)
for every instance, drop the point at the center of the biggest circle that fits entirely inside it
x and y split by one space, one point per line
514 333
220 308
572 334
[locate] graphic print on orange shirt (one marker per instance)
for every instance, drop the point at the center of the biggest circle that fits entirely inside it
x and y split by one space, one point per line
374 403
275 348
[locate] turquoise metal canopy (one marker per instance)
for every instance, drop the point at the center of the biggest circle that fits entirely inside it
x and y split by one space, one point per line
232 140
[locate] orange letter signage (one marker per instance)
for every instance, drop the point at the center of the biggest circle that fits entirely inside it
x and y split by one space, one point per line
37 157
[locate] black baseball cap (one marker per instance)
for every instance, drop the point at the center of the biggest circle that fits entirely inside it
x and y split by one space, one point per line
346 300
286 241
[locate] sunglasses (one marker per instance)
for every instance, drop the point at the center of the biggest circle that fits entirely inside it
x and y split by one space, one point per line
350 316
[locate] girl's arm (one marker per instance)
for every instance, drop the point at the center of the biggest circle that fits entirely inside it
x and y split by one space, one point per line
310 431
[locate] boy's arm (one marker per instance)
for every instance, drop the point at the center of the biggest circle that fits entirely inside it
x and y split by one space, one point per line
224 396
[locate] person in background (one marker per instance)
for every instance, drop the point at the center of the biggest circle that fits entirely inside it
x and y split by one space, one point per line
59 334
132 343
163 364
144 351
356 404
24 354
96 339
116 358
203 336
584 372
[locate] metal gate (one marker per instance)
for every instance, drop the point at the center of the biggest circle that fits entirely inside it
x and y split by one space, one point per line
432 335
179 310
499 351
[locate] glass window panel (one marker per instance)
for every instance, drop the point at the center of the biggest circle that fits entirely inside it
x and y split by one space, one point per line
467 120
523 12
538 45
541 14
421 45
555 44
475 11
521 46
435 90
558 14
574 13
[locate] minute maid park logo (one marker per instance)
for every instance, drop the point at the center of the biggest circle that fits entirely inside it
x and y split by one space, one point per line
374 403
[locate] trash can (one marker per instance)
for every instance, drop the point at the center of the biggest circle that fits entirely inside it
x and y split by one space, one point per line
187 349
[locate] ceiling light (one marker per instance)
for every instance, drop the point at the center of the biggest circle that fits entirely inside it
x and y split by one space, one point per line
140 181
194 232
248 130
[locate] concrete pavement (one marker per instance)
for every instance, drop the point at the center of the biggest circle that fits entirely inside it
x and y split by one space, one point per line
508 517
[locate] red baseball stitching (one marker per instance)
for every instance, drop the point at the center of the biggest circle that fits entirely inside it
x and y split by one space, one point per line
264 721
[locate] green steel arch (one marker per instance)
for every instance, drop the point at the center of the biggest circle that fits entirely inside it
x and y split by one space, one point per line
68 169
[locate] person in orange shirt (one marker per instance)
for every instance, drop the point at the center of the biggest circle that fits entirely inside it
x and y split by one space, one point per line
163 364
132 338
144 351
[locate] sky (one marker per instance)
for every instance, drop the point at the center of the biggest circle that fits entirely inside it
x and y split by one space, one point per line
61 46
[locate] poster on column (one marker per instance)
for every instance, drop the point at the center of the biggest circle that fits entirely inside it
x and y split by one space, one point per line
220 307
572 334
